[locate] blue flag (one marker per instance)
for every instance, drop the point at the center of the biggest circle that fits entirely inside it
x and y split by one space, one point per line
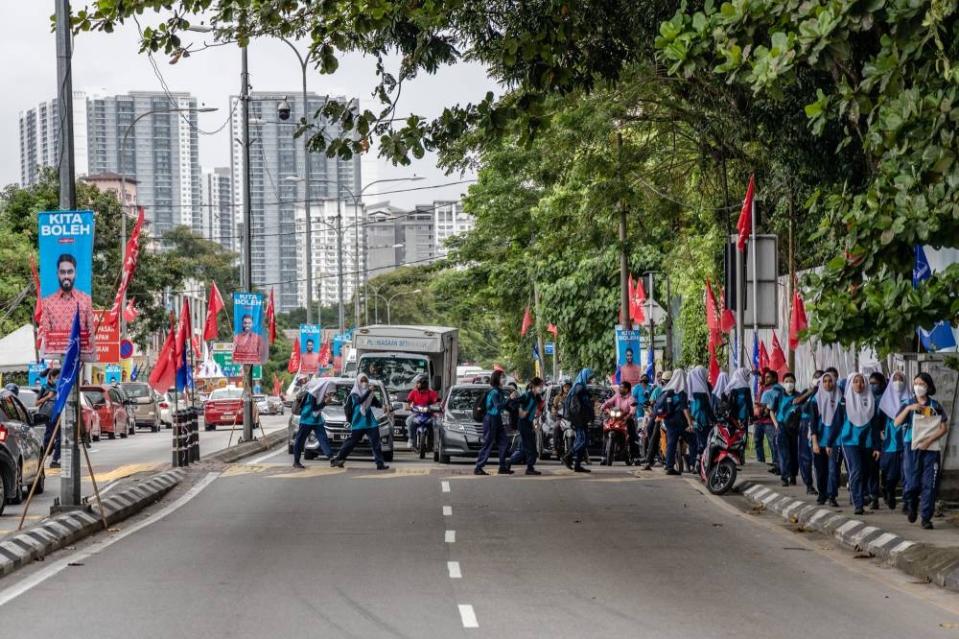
756 361
69 371
941 335
650 362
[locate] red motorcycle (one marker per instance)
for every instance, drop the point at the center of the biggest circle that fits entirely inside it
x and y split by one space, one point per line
616 438
725 452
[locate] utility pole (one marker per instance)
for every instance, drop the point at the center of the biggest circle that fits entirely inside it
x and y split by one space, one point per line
790 287
623 261
247 233
70 496
650 294
307 169
668 360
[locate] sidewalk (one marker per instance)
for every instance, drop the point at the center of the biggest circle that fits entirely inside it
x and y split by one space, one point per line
883 533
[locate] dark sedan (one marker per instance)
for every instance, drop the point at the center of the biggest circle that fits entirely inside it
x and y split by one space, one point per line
21 444
457 434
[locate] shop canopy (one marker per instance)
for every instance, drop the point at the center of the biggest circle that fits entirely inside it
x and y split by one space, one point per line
17 350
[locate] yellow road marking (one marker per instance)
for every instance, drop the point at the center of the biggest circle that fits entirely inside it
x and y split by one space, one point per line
398 472
244 469
309 472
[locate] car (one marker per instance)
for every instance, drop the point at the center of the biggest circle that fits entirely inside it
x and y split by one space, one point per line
337 429
269 404
21 446
146 414
456 434
548 423
28 396
225 408
121 396
110 409
91 420
169 401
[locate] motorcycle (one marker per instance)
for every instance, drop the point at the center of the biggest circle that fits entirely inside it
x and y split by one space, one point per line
616 438
423 428
725 452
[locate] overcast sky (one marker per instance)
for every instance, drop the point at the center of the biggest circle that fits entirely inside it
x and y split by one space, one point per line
111 63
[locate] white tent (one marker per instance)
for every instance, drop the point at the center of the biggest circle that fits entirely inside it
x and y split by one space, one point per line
209 369
17 350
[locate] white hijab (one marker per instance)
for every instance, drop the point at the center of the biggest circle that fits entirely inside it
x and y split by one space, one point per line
827 402
319 387
739 380
891 402
860 407
677 383
721 382
359 392
698 381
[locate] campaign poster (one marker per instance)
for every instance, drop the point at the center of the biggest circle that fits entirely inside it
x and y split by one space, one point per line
628 351
111 374
108 338
310 343
249 337
65 243
36 373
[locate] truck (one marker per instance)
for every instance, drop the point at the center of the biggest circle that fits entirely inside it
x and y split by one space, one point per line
396 355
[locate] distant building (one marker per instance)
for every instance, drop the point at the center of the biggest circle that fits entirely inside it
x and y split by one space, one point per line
449 220
219 223
325 252
115 183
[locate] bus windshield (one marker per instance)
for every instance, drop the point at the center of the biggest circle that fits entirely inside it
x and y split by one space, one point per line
396 373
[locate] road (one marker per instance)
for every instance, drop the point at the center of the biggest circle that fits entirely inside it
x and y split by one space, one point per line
115 459
429 551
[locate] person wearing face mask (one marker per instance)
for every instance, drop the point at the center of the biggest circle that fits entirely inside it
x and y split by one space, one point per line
527 404
421 395
877 385
673 408
623 400
362 423
855 436
701 410
893 399
786 413
825 420
925 423
764 427
581 412
806 401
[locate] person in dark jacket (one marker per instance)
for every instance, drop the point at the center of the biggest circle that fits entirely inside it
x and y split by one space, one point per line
312 421
362 423
496 402
526 406
581 416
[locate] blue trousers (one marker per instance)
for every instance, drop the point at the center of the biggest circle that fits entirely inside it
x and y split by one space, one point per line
673 434
890 464
827 473
356 436
701 439
48 433
493 433
580 442
526 451
921 472
768 431
804 452
787 443
303 433
857 460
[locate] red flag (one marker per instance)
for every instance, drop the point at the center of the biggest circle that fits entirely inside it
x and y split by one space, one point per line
38 306
713 361
130 313
527 322
727 321
277 386
763 356
294 365
112 318
551 328
163 375
745 223
326 353
712 316
182 345
637 296
215 305
195 344
271 318
777 361
797 320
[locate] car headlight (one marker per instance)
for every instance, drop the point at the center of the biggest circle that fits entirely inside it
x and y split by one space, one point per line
458 428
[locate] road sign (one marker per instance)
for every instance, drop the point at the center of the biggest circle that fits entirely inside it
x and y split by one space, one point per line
107 339
653 311
767 289
550 348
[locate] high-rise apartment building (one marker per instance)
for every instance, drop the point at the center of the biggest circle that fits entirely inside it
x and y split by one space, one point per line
449 220
276 185
399 238
219 213
326 264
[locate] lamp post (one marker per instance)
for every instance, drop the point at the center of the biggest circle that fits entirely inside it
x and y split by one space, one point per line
390 301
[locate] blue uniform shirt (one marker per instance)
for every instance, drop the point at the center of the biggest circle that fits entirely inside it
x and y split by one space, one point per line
671 406
702 411
496 401
642 395
827 434
907 425
311 412
783 406
852 435
741 404
892 437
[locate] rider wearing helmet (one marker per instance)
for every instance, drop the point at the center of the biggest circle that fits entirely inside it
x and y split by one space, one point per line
421 395
13 388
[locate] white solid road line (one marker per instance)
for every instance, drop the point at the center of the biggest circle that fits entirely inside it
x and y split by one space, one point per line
9 594
446 486
454 568
468 616
451 536
263 458
447 511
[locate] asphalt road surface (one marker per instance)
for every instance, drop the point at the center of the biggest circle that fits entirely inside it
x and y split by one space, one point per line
429 551
116 459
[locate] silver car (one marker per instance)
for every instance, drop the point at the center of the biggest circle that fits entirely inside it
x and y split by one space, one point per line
21 444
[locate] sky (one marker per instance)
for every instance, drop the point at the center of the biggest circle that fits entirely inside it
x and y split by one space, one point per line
111 63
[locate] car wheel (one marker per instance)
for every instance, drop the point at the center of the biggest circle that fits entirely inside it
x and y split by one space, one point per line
18 486
3 494
41 483
123 435
111 435
443 457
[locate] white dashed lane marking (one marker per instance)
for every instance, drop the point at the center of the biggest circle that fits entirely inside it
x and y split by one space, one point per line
451 536
454 568
468 616
446 486
447 511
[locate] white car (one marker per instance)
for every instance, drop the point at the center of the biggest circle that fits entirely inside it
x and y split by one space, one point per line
165 404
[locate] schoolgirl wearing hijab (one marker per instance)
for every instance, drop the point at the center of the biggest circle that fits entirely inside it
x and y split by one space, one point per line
825 420
856 436
719 391
673 408
891 445
362 423
701 409
740 398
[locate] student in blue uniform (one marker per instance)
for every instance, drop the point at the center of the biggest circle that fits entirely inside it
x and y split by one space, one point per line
527 404
581 415
719 391
739 398
785 410
701 410
653 423
891 445
673 407
877 386
763 426
925 423
362 423
806 401
825 420
312 421
494 433
855 436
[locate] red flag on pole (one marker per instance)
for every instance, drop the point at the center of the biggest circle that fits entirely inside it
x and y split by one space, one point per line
777 361
797 320
277 386
763 356
215 305
744 225
713 360
163 375
527 322
727 321
712 316
112 318
294 365
271 318
551 328
130 313
637 297
326 353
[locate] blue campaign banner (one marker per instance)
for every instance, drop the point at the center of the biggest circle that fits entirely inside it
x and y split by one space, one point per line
249 337
311 339
36 373
628 352
65 245
550 348
111 374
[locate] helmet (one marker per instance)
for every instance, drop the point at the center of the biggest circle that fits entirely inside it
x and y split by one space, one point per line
13 388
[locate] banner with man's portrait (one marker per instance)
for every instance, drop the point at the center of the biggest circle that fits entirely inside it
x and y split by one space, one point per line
65 242
310 342
250 345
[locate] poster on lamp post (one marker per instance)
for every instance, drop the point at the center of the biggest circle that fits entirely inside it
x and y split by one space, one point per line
249 336
65 243
627 355
310 342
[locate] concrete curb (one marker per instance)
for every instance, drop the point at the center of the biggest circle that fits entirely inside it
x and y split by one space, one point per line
935 564
239 451
64 529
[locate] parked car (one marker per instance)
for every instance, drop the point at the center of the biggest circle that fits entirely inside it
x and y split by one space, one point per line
28 396
337 429
110 409
91 420
21 445
143 401
121 396
269 404
547 425
225 408
166 404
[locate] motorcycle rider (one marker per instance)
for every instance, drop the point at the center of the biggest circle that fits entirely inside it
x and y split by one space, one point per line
623 400
652 424
526 405
421 395
581 416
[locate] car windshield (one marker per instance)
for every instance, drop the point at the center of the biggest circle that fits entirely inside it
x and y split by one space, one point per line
227 393
397 373
462 400
95 396
137 391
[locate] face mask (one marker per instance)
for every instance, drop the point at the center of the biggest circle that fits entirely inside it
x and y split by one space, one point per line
919 390
789 386
898 385
364 385
874 387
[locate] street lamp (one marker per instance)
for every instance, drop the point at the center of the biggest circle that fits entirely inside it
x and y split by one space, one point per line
390 301
123 193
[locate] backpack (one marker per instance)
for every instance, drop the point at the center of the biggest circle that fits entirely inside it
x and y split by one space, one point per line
479 408
348 407
573 406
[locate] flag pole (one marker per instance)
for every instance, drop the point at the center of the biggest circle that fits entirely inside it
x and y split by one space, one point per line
755 260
